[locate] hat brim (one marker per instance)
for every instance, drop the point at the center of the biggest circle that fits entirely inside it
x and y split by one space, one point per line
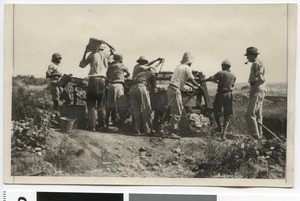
252 54
192 59
143 60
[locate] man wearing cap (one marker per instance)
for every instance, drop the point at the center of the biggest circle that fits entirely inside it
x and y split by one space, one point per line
257 93
140 100
116 98
179 78
54 76
98 60
144 65
225 80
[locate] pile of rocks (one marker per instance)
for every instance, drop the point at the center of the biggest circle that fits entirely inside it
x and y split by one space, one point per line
198 120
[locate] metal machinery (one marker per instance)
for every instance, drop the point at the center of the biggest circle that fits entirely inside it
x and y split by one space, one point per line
194 100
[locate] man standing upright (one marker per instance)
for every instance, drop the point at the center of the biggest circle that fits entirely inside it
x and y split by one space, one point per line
116 97
179 78
225 80
98 60
54 75
257 93
140 100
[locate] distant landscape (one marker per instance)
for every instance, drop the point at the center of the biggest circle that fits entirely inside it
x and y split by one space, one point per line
273 89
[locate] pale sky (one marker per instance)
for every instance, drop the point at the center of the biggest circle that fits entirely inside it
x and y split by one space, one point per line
211 33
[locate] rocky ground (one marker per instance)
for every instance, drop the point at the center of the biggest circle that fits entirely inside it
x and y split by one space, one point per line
121 154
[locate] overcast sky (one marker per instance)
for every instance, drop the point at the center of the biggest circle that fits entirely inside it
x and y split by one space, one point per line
211 33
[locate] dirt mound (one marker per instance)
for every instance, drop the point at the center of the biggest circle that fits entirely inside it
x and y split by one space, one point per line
84 153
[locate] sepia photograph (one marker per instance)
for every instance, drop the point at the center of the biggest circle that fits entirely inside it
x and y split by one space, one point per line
149 94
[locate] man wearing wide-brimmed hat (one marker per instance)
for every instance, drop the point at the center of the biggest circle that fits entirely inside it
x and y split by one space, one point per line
115 106
143 65
257 93
96 96
180 76
223 99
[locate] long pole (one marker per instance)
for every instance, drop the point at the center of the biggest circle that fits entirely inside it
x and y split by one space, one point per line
269 131
162 65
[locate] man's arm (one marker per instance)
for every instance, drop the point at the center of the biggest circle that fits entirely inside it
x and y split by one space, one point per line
152 62
112 49
85 61
215 78
125 70
51 73
153 81
193 81
191 77
210 79
234 82
260 79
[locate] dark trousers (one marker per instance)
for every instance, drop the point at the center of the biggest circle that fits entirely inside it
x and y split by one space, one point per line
96 101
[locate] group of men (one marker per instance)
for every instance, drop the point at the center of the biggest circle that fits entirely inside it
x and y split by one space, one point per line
107 69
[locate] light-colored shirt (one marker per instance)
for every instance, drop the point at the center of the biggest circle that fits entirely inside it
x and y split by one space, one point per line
257 69
180 75
98 62
53 72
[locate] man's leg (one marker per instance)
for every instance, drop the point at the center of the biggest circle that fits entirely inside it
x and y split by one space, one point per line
136 108
91 105
225 126
175 103
101 111
259 114
54 89
228 111
108 112
65 95
101 102
176 108
217 109
251 114
146 111
55 105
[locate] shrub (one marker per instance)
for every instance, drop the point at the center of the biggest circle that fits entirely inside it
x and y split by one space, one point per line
30 164
63 156
29 104
31 80
246 159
